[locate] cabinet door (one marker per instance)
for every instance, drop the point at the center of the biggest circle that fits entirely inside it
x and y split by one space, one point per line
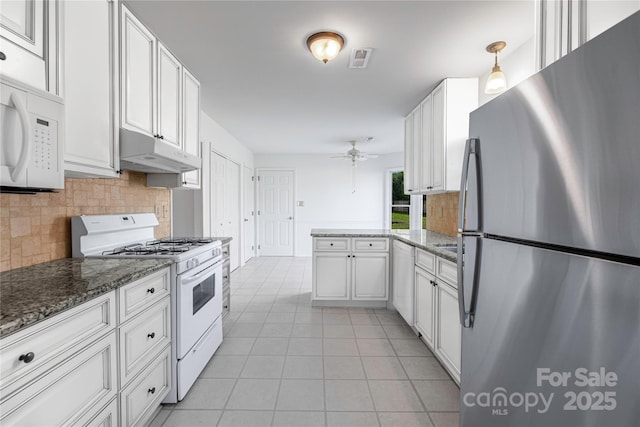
91 148
23 40
403 285
416 156
426 141
408 154
370 276
448 331
169 97
191 124
425 299
138 59
331 275
438 138
85 380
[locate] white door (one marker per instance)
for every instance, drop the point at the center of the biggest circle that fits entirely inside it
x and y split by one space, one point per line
232 211
248 219
138 59
275 212
217 200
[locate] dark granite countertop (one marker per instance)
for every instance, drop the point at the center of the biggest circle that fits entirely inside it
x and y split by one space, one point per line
426 240
31 294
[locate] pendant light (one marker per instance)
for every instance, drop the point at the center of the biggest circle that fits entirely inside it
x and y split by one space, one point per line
325 45
497 82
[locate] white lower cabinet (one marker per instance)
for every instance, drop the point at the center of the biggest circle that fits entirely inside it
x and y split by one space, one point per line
351 269
139 399
82 384
403 286
437 317
145 347
448 336
425 304
107 417
64 370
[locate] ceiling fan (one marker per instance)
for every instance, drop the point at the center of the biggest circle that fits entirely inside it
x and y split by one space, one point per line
354 154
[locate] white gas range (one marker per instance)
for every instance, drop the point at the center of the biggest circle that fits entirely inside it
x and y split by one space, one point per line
196 283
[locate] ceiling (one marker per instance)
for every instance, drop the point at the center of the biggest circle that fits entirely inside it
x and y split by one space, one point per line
261 83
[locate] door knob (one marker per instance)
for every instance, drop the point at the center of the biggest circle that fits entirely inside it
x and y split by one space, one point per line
246 220
290 217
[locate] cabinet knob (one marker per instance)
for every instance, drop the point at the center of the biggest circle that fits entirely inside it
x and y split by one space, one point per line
433 282
330 244
151 390
26 358
225 277
184 182
2 56
370 244
151 335
151 290
348 256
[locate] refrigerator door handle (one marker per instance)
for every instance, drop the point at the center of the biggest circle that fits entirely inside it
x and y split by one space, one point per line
472 148
467 295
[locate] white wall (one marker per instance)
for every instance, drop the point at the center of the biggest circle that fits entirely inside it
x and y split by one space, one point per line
325 186
191 207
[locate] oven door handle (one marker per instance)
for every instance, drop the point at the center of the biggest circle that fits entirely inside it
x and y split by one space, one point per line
209 271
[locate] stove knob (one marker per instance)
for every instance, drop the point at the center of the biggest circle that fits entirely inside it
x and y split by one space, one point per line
197 262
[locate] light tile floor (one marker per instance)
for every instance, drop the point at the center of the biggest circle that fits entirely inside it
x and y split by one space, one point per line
285 363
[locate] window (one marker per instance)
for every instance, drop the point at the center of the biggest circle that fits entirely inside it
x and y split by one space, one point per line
401 207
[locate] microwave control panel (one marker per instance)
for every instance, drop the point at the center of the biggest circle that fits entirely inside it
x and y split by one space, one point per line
45 144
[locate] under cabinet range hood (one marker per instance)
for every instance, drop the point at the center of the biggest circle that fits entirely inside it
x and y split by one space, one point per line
144 153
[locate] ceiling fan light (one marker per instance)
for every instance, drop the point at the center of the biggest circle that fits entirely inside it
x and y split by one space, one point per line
325 46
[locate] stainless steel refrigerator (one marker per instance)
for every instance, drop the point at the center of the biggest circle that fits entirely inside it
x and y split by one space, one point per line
549 245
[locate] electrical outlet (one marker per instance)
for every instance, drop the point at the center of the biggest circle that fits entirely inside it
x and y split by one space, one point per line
158 211
165 211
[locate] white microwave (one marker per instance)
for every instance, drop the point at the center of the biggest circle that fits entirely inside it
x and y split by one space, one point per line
31 138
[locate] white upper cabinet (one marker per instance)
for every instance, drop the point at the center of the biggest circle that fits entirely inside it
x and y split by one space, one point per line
409 185
564 25
413 149
90 89
29 43
169 96
138 75
191 124
439 128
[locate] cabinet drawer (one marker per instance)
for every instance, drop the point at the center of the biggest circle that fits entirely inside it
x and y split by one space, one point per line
49 339
447 271
107 417
331 244
142 338
84 381
426 260
139 399
142 293
380 245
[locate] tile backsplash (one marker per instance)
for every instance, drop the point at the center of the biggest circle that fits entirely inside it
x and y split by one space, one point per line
37 228
442 213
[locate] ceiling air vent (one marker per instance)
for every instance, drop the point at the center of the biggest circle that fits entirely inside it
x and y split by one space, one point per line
359 58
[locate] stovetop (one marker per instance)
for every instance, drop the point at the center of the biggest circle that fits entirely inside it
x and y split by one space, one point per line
168 246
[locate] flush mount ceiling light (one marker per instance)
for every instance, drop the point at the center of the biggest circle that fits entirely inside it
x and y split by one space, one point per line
497 82
325 45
